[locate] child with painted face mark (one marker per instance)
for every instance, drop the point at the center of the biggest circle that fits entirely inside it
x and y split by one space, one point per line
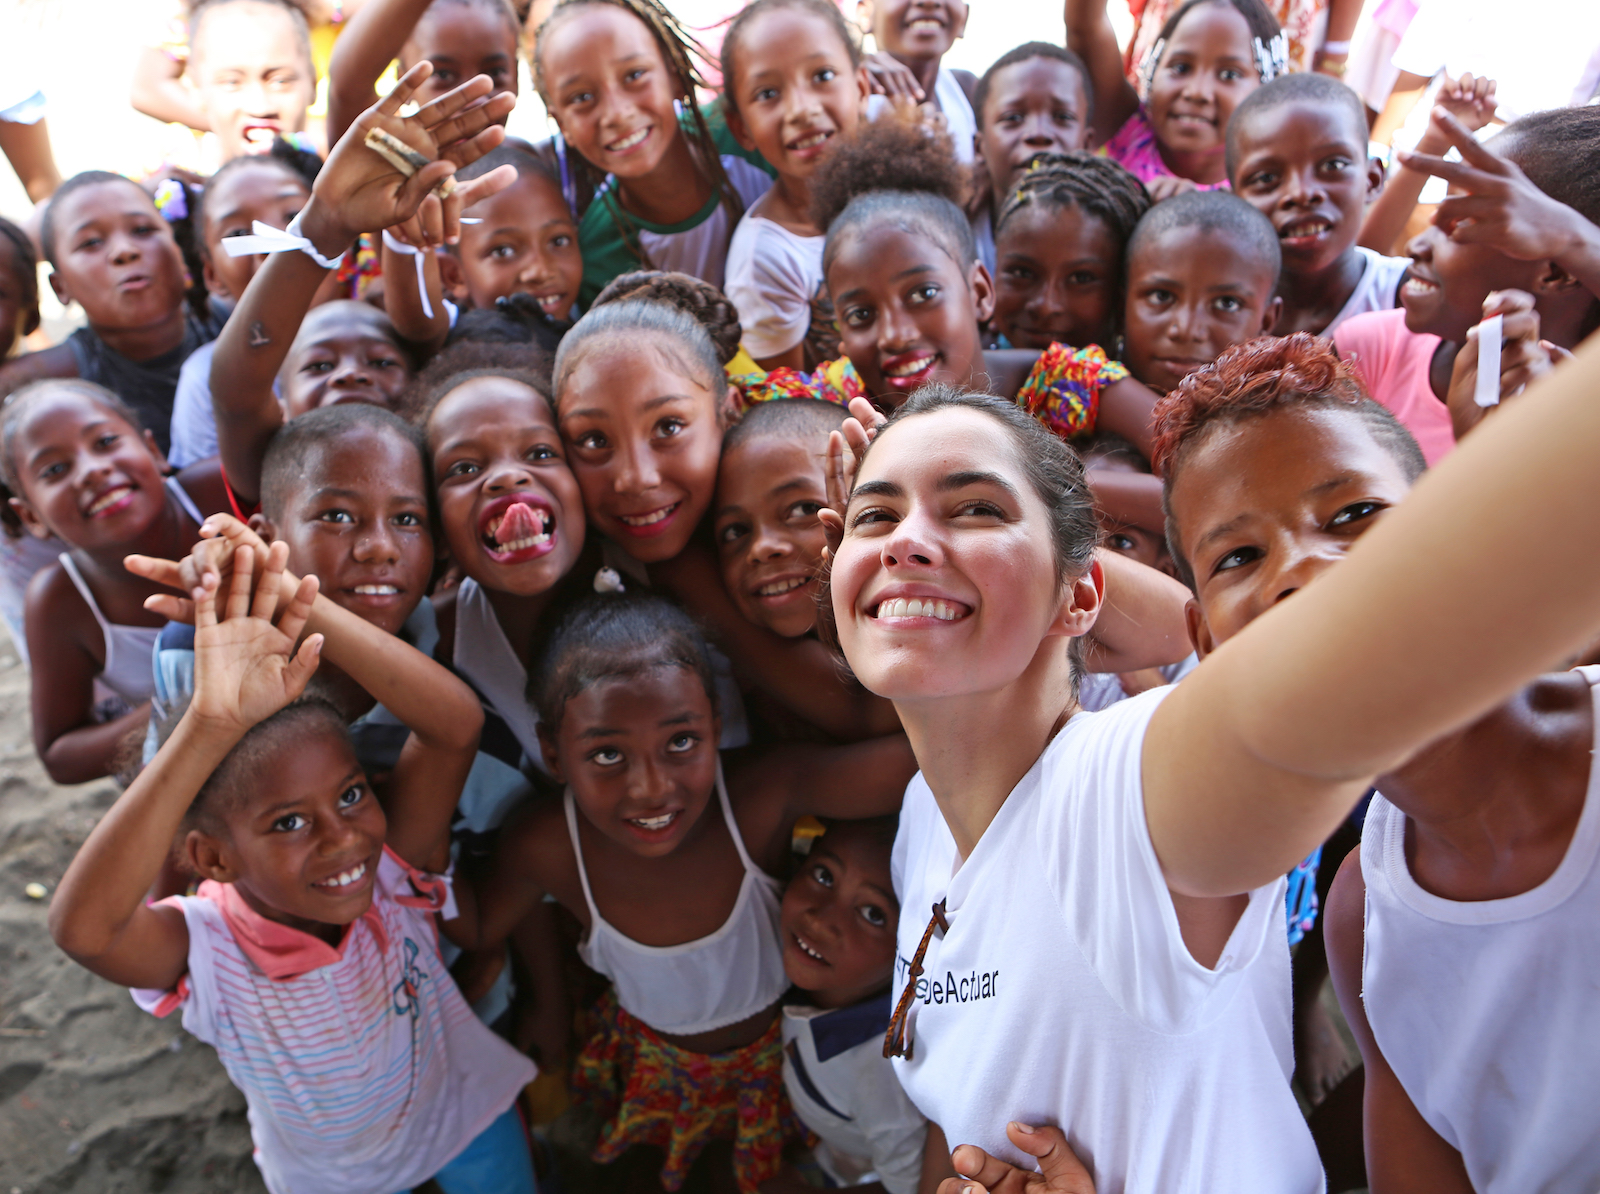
665 851
1209 56
654 180
309 957
1520 216
1202 275
794 84
114 255
1062 235
1297 153
460 39
343 351
81 472
1034 100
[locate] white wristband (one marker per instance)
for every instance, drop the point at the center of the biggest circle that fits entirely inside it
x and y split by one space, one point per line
395 245
1335 47
267 239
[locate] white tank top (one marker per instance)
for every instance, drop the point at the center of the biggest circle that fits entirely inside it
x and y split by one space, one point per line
1487 1011
721 979
127 680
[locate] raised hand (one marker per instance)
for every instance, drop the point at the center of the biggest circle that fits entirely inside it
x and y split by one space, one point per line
858 431
1471 100
893 78
1060 1171
221 536
246 667
362 191
1524 358
1501 208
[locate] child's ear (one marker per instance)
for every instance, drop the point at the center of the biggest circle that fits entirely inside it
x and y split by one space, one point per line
264 526
30 520
736 124
214 286
1553 280
982 291
207 857
864 15
57 284
728 407
864 84
452 278
1376 177
1199 632
961 25
551 752
1270 313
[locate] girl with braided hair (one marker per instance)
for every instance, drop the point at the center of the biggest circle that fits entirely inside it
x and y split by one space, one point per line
654 180
1059 241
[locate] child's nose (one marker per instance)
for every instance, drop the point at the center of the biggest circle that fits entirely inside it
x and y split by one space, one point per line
124 248
508 477
377 543
896 328
636 469
767 544
352 372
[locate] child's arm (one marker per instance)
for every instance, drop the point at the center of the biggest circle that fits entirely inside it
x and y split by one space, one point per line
246 669
1467 98
1504 210
800 673
1404 1154
1133 498
356 191
371 40
403 298
1141 623
72 746
440 710
490 905
1125 410
158 90
1091 37
1265 747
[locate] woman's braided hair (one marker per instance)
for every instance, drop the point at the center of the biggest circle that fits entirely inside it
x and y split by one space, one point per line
678 49
1095 185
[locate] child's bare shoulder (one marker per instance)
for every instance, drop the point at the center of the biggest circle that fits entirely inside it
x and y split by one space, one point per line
54 606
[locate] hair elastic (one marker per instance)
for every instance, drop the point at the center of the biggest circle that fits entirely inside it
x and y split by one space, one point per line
267 239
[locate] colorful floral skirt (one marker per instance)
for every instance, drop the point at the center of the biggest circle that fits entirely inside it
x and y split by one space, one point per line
652 1092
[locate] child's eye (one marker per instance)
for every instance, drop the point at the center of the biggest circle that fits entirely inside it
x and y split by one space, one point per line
805 510
444 78
408 520
1262 181
1117 541
289 822
317 367
1082 277
635 75
606 756
874 916
821 875
385 363
90 242
1160 297
51 471
1337 165
670 426
858 317
336 516
560 241
594 441
733 532
461 468
1228 75
1356 512
579 97
765 95
503 252
107 441
1011 118
683 743
1019 273
925 293
542 452
1228 304
1066 116
351 796
826 75
144 229
1238 558
1178 68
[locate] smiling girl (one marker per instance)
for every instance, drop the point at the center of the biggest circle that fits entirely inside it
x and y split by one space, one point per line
793 82
1188 802
653 180
1209 55
81 470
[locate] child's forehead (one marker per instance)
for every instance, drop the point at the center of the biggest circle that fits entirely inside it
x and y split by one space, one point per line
109 200
865 849
1294 127
465 30
479 401
532 201
1212 25
343 321
247 31
770 463
67 410
635 353
378 460
1034 75
1221 254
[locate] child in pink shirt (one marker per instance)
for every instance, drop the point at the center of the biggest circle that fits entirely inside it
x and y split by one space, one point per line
1393 362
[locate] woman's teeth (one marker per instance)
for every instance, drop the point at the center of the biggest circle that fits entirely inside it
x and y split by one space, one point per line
909 368
925 607
779 587
345 879
629 141
807 950
110 498
377 590
653 824
650 519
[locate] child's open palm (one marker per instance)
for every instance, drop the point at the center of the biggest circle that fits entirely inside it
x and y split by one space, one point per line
368 192
246 665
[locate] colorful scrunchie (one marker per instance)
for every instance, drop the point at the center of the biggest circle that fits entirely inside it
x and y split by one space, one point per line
833 381
1063 390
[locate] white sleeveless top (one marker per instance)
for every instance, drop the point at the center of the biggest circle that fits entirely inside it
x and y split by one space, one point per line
720 979
1486 1011
127 680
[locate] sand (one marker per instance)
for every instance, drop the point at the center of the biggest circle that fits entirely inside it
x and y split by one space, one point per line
95 1095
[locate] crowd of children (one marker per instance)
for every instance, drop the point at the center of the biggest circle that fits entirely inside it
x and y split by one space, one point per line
550 606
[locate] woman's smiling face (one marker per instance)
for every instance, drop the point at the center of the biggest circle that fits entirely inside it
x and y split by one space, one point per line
945 584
